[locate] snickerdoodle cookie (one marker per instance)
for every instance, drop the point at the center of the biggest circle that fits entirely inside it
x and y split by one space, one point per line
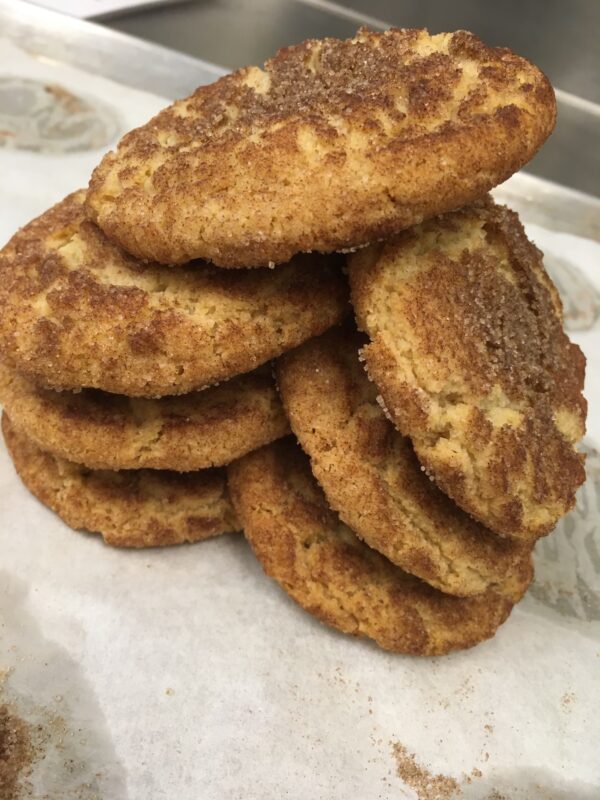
108 431
322 565
469 354
77 311
332 145
372 478
135 508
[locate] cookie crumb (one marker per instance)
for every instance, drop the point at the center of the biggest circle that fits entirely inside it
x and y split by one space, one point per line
426 785
16 753
567 700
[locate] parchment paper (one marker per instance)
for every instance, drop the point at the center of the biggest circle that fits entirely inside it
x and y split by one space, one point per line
30 182
186 674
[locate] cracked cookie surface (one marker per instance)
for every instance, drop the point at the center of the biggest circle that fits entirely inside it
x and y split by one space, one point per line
469 354
135 508
183 433
332 145
325 568
77 311
372 478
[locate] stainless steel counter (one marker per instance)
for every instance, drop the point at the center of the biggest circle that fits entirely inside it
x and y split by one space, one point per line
561 38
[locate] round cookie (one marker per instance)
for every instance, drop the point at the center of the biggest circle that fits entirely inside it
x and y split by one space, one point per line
371 476
333 145
108 431
325 568
141 508
468 352
75 310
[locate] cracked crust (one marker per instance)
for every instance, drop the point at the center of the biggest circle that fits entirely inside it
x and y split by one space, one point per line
333 145
75 311
106 431
372 478
468 351
141 508
325 568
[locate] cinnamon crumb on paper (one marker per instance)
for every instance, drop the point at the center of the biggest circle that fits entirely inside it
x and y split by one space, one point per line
475 773
567 700
425 784
16 754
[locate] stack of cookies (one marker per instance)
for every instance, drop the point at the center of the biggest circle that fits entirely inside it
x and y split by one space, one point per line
106 360
142 322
